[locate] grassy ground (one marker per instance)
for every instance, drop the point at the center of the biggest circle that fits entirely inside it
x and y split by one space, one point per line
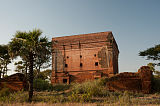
91 93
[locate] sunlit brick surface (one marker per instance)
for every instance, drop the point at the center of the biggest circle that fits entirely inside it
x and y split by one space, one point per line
136 82
84 57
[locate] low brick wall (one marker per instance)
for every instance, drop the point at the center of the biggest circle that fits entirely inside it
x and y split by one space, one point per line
136 82
14 82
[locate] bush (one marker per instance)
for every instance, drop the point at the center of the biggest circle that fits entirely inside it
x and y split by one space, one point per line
85 92
93 88
125 98
41 85
4 92
156 84
75 97
16 97
61 87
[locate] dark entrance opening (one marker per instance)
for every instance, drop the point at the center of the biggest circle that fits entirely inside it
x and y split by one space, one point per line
81 64
96 63
66 65
96 78
64 80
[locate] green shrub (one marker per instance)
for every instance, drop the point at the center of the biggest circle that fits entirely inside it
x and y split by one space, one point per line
93 88
41 85
85 91
156 84
74 97
4 92
16 97
85 97
125 98
102 81
61 87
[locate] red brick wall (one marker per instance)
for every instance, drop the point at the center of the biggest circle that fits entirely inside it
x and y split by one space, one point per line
82 56
15 82
137 82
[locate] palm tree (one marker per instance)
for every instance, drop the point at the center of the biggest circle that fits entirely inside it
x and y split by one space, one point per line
28 45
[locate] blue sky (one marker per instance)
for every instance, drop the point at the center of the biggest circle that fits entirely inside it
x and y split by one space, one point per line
134 23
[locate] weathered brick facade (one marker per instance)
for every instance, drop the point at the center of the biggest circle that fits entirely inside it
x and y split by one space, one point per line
136 82
15 82
84 57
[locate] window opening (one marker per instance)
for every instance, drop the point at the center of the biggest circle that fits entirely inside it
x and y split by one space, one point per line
96 63
64 80
80 56
81 64
66 65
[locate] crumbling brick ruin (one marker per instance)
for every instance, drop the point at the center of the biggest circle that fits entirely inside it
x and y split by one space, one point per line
14 82
84 57
136 82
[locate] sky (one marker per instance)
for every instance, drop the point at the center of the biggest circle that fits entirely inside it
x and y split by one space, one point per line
135 24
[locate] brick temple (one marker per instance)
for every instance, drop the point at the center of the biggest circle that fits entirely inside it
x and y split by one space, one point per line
83 57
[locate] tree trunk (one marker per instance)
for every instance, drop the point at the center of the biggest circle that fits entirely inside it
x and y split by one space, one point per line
6 69
39 69
3 72
30 77
26 68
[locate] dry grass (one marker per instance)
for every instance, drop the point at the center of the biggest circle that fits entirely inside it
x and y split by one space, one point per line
52 99
86 94
58 104
75 104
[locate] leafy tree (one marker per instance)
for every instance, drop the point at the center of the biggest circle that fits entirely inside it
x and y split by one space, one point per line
4 60
43 61
152 53
22 67
29 45
44 75
42 85
152 67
